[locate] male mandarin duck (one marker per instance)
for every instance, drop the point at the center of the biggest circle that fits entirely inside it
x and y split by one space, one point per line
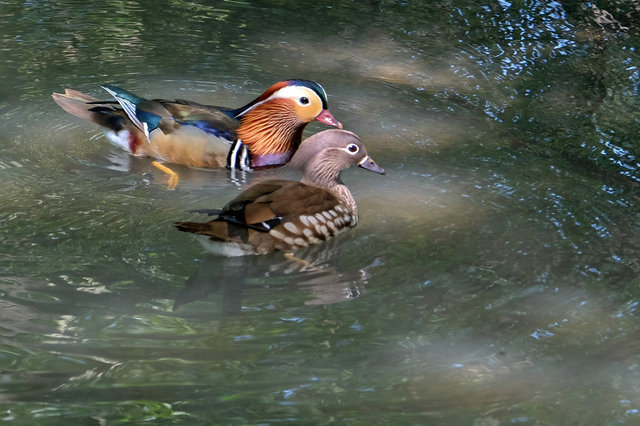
264 133
287 215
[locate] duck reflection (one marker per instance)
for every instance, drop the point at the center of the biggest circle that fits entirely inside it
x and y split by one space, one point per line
314 270
120 161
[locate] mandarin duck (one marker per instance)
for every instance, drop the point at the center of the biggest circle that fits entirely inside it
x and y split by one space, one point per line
263 133
287 215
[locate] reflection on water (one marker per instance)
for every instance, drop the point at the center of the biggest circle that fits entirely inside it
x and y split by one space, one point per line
313 270
493 275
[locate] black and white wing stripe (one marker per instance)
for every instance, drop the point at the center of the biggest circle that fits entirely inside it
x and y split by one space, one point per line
239 157
130 108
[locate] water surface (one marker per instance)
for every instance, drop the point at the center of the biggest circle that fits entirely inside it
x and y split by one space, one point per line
492 279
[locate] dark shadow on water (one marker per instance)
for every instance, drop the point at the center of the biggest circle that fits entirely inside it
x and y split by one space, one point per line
314 271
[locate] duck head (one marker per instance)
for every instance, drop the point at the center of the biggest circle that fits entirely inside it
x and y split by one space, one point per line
272 124
324 155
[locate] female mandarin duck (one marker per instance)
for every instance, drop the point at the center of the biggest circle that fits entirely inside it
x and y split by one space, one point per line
287 215
264 133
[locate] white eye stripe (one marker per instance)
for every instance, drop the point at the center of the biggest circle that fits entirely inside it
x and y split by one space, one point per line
293 92
351 149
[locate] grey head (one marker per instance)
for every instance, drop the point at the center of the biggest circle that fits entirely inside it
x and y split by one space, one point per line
324 155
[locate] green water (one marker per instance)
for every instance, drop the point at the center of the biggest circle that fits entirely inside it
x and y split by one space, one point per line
493 277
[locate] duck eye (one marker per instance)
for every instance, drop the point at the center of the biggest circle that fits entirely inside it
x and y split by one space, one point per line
304 100
353 148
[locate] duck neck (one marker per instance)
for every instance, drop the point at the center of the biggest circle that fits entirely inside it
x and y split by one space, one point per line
329 180
271 134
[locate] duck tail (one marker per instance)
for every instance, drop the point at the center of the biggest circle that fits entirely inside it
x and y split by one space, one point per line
193 227
89 108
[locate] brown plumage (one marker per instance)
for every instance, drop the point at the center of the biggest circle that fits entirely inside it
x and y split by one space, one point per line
287 215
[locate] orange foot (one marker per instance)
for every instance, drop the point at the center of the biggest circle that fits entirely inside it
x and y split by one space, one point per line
306 265
173 176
